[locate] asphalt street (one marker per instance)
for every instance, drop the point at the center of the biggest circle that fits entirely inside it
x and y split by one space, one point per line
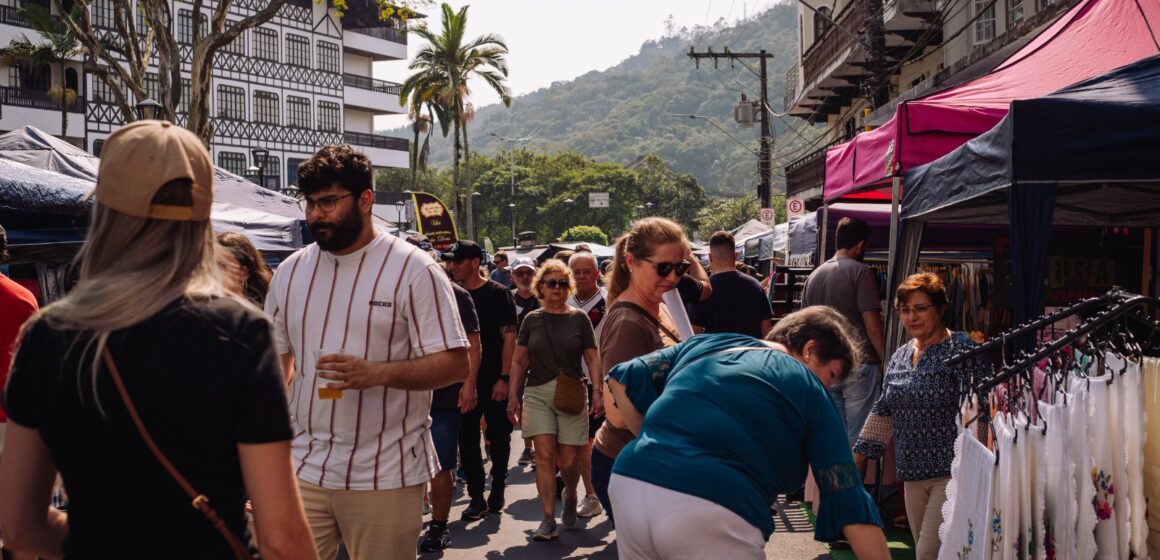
508 536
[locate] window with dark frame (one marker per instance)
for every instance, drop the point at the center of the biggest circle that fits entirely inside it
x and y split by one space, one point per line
234 162
297 50
328 116
231 103
101 92
153 87
183 104
297 112
21 77
104 17
266 44
292 170
238 45
185 26
266 107
328 60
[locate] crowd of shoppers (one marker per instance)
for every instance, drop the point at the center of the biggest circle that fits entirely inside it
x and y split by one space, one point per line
309 410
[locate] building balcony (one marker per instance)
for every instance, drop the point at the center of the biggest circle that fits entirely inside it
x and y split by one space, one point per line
368 94
37 108
804 177
376 43
384 151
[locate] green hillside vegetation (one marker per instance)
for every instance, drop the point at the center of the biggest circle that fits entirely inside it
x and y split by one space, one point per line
620 115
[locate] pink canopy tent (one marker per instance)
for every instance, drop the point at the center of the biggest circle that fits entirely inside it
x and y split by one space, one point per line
1092 38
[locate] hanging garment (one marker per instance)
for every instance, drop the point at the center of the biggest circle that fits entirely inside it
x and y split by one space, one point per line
967 511
1079 413
1009 542
1108 458
1037 469
1131 398
1060 504
1151 446
1025 464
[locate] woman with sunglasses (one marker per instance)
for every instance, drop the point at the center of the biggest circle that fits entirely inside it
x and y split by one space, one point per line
742 419
919 402
552 341
651 259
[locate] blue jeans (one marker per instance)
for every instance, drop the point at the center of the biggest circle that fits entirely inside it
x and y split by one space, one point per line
601 475
856 397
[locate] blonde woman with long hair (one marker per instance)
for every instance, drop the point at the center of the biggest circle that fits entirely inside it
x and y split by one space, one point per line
149 346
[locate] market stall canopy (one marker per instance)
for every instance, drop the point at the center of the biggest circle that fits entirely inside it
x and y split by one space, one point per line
1093 37
49 171
1095 141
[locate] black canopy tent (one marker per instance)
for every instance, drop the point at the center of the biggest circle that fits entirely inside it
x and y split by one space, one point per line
1084 155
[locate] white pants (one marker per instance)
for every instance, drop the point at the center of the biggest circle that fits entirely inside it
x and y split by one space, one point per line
655 523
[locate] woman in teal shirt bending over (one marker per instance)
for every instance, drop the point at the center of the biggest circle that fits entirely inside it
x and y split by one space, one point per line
725 423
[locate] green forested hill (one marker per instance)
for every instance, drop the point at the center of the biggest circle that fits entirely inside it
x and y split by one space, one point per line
623 113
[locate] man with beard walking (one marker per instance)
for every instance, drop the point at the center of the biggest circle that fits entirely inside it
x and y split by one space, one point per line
848 285
366 326
497 333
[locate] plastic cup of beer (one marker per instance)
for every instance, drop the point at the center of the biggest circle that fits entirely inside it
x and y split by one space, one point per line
325 392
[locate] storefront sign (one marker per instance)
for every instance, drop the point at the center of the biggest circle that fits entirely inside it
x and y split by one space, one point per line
434 220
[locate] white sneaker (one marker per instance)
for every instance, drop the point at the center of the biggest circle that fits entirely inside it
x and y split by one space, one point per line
590 507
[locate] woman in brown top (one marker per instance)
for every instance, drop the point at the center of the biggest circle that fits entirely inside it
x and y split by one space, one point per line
649 261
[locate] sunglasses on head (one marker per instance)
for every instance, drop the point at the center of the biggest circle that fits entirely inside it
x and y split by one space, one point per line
555 284
666 268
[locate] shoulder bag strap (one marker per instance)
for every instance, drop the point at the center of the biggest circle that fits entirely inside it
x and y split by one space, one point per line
200 502
648 316
552 346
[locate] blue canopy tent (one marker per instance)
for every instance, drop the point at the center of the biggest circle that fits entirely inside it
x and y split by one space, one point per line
1084 155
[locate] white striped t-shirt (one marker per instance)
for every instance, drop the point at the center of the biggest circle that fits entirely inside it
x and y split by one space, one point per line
388 301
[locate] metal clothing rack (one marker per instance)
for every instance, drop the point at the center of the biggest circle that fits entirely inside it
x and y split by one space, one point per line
1108 309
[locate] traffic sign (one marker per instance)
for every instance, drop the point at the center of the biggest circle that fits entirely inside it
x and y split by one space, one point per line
794 207
598 200
768 216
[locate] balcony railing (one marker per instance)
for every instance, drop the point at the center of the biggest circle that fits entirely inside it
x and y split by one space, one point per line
791 86
833 42
386 33
11 16
364 82
36 99
376 141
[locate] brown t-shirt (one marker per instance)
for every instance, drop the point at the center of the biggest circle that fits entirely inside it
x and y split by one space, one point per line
626 334
555 341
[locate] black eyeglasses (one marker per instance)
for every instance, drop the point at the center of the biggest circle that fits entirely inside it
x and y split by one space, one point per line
555 284
326 203
665 268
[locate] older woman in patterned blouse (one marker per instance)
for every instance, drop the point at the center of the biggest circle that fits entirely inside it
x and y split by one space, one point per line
918 406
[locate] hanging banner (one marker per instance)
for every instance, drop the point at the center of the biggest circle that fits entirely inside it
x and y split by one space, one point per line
434 220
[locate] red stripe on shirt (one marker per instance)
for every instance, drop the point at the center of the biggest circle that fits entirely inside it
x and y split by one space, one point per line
438 306
387 390
302 347
358 414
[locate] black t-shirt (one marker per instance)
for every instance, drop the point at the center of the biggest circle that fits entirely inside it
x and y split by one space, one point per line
690 289
523 307
493 304
738 305
204 377
447 398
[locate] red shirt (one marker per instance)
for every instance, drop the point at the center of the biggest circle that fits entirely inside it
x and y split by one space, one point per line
17 304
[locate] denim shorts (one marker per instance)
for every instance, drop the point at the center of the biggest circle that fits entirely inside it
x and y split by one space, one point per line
445 434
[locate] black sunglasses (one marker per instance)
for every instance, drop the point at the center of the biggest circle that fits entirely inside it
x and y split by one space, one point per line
666 268
555 284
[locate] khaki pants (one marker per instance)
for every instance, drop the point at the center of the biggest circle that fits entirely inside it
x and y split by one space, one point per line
374 524
924 502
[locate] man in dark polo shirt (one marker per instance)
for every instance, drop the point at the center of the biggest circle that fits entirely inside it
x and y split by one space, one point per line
738 304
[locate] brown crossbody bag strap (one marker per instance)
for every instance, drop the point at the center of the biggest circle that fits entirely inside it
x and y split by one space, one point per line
200 502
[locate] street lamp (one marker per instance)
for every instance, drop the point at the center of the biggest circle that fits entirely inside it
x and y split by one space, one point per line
474 196
148 109
568 214
292 191
260 155
512 149
401 221
515 240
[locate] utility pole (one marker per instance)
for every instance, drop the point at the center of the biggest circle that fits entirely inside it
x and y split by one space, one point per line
764 186
879 93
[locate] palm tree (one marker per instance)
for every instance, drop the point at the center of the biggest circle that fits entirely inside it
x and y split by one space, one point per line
59 46
443 67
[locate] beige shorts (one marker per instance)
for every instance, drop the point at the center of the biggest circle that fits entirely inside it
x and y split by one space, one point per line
541 418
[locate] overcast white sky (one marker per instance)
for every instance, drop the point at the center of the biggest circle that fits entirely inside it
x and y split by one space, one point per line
557 40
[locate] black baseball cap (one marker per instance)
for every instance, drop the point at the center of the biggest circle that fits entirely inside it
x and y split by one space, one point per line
462 250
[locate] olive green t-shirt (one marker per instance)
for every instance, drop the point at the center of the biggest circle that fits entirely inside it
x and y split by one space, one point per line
555 341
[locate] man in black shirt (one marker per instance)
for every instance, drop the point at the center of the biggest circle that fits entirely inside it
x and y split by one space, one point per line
523 271
497 332
738 303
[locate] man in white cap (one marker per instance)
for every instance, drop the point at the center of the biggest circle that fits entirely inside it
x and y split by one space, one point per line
523 270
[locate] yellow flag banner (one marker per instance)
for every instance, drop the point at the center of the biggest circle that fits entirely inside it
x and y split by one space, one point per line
434 220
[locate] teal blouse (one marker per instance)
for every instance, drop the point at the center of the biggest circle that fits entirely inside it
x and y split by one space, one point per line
738 428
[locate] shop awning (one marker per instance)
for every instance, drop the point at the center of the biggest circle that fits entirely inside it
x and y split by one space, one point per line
1092 38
